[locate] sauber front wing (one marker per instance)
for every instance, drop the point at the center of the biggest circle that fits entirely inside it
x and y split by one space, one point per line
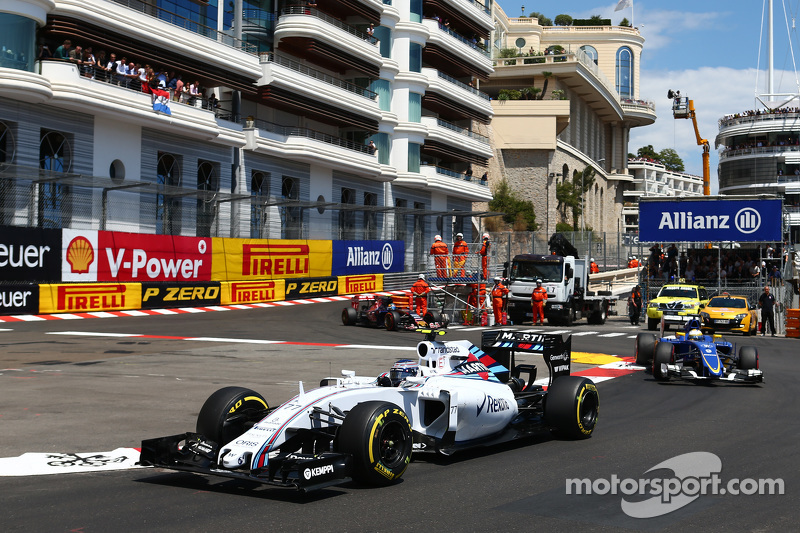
190 452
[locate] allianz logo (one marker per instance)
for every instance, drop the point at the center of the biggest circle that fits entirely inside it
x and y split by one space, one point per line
747 220
358 256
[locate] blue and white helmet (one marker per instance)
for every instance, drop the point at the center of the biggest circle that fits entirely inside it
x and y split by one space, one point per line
403 369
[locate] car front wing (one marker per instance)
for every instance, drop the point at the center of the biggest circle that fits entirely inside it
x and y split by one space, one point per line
191 452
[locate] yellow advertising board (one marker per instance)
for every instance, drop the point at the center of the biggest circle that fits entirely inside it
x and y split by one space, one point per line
256 259
249 292
360 283
89 297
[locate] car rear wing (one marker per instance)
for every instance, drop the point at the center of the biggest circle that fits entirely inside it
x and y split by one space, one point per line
502 345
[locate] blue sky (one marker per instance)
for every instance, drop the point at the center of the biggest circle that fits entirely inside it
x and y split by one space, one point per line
709 50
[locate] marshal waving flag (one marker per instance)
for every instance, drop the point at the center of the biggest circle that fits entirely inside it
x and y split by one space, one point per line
161 100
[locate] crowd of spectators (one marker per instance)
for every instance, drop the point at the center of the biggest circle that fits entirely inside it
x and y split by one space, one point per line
121 71
758 266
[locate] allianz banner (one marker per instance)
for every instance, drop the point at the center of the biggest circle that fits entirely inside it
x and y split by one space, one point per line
710 220
367 257
30 254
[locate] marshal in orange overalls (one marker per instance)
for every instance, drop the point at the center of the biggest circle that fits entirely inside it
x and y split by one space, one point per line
538 297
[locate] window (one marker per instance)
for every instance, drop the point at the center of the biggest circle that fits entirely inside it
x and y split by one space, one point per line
591 52
168 213
259 195
347 220
384 36
415 57
291 216
519 43
370 216
413 157
207 189
382 88
416 11
17 42
625 72
400 220
382 143
414 107
55 155
7 152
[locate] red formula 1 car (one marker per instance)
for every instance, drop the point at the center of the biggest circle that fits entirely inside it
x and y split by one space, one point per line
391 312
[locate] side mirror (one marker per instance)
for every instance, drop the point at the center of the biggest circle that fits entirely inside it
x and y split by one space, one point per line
569 272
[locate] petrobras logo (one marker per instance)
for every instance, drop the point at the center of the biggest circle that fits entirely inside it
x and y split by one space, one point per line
748 220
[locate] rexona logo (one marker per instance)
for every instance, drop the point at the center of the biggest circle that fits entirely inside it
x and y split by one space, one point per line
274 259
80 255
358 256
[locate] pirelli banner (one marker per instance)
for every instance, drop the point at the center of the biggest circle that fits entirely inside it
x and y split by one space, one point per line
89 297
255 259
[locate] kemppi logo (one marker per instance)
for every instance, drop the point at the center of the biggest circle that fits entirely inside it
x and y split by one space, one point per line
80 255
274 259
365 283
252 292
90 297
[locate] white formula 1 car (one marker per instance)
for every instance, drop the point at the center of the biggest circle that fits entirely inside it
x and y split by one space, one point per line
453 396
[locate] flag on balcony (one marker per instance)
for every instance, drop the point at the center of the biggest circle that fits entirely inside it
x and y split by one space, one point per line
161 100
622 4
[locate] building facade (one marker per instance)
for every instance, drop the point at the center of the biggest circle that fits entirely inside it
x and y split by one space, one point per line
565 99
652 179
352 119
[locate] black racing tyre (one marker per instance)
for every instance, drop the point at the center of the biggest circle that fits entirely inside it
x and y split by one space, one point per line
664 355
349 316
748 358
645 348
433 316
652 324
378 436
572 406
391 319
229 412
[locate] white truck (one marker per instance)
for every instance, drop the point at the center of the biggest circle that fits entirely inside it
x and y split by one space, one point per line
566 280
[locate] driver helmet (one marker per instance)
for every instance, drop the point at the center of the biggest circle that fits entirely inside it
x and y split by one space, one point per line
695 334
392 307
402 369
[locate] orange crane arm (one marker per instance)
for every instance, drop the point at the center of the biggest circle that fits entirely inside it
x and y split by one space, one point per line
706 148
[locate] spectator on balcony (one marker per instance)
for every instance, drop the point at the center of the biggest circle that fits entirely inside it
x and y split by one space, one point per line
76 56
180 89
121 72
194 93
371 29
62 52
212 102
371 148
44 52
132 75
89 63
142 76
468 173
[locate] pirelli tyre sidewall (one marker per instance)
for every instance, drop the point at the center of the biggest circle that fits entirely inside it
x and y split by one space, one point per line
229 412
748 358
572 406
378 437
645 348
664 356
349 316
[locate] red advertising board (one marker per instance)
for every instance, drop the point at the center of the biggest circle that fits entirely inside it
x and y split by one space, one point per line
140 257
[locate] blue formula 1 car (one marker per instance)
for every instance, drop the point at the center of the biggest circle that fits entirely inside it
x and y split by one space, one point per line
694 356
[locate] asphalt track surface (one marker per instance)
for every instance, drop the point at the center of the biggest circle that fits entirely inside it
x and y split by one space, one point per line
79 393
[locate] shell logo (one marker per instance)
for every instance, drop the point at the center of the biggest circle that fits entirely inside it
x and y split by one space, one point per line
80 255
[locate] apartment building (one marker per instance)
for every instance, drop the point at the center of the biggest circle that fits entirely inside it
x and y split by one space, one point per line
343 119
566 98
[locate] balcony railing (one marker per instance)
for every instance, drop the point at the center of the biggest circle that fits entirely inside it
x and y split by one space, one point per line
630 102
762 116
757 150
472 44
294 131
187 24
352 30
458 175
464 86
318 75
462 131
